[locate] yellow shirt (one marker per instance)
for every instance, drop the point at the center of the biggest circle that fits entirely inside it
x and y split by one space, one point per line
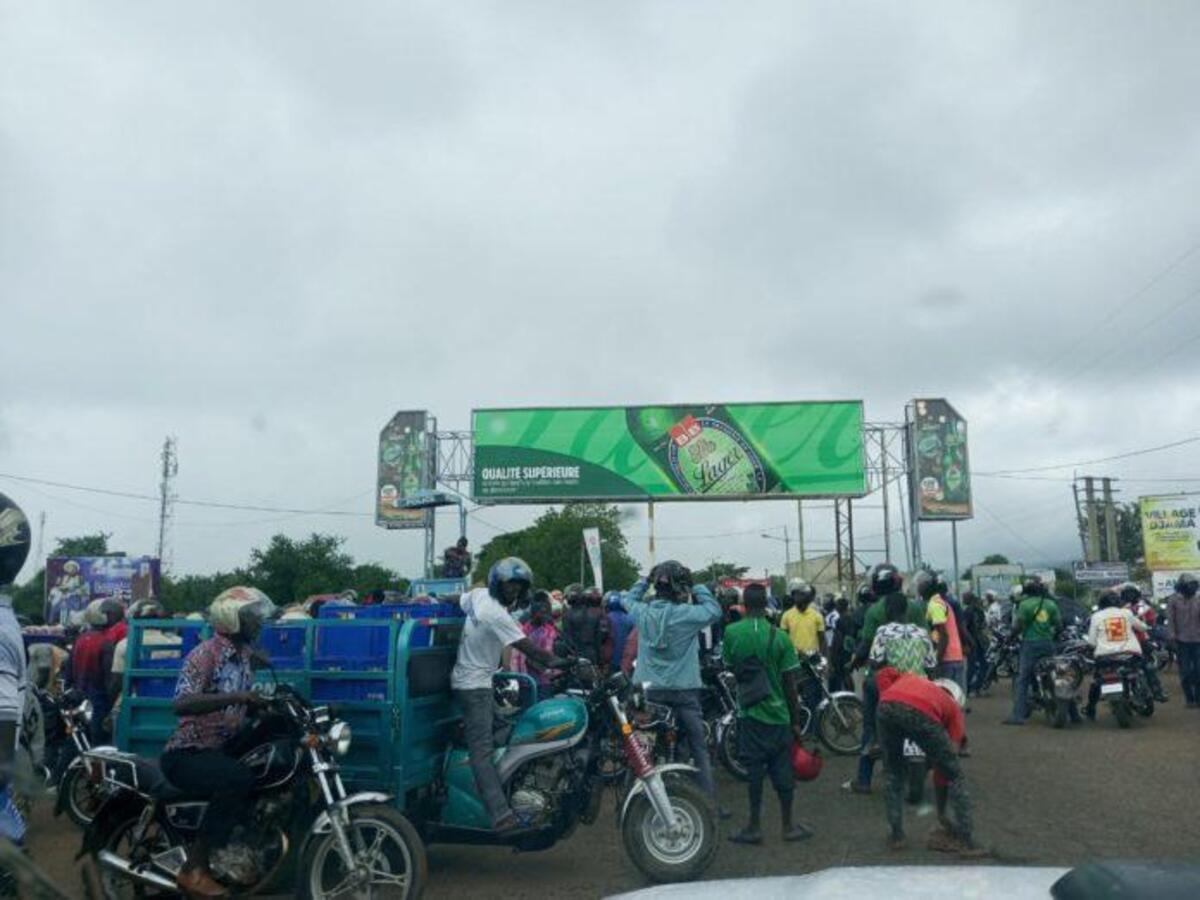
804 628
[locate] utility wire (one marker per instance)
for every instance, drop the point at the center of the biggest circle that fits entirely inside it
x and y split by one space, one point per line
1089 462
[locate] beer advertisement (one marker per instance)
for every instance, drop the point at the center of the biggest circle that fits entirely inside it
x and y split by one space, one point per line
1170 534
732 451
405 469
941 478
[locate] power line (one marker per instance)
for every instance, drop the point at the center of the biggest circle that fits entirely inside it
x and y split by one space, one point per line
1121 304
1089 462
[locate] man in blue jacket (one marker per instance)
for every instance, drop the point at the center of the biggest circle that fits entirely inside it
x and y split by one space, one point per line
669 650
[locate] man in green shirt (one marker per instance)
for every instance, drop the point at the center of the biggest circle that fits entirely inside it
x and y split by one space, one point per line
1037 620
766 729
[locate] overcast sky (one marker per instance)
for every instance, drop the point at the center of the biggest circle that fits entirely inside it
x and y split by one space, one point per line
264 227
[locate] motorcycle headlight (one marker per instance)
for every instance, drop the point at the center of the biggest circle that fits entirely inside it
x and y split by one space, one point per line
338 738
85 710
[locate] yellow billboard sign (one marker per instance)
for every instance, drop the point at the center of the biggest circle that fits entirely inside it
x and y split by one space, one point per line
1171 532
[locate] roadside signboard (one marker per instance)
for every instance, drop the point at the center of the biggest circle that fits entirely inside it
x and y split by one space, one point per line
1101 574
937 448
72 582
1163 584
1171 532
736 451
405 468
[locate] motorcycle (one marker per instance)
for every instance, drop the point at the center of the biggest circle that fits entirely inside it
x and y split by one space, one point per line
718 704
1123 685
78 795
1002 660
554 760
347 842
1057 683
837 719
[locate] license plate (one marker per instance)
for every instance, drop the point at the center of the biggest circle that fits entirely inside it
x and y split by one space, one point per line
1114 688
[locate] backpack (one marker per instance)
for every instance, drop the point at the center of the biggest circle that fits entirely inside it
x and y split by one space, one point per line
754 684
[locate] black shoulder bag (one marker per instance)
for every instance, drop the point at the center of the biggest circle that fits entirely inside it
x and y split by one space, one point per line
754 685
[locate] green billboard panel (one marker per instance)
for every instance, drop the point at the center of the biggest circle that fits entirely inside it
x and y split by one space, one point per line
736 451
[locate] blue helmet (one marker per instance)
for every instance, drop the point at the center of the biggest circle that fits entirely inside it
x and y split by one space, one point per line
612 601
510 571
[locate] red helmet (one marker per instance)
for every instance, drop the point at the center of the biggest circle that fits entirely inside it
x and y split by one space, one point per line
807 765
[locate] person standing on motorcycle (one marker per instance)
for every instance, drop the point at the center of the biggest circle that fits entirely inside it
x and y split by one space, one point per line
943 626
668 658
1131 599
805 627
1112 631
212 697
915 709
767 728
490 628
1183 635
1037 622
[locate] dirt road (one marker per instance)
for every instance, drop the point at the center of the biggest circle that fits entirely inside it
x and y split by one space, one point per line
1041 796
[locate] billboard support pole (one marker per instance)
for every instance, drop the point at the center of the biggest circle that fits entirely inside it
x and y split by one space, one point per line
800 535
954 542
914 510
651 512
883 476
904 527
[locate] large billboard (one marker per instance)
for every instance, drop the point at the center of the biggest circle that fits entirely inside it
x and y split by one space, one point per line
406 467
1170 534
679 452
72 582
940 476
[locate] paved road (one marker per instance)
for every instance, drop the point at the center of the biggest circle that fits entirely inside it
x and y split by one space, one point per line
1041 797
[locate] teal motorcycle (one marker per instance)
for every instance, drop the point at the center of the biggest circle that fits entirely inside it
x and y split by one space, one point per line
555 759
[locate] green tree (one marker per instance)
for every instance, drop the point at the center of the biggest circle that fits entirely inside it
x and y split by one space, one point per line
289 570
553 543
995 559
374 577
194 593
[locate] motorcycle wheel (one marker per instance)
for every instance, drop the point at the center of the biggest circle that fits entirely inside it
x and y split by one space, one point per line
840 725
1123 713
1062 713
1004 669
728 753
83 797
661 856
1144 705
384 842
916 781
115 886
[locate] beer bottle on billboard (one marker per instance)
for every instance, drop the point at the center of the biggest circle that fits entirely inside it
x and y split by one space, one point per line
701 450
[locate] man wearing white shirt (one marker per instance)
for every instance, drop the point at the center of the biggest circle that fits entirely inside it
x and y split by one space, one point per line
1111 631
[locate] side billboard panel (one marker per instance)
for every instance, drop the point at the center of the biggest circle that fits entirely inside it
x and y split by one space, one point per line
1170 534
72 582
941 476
735 451
405 468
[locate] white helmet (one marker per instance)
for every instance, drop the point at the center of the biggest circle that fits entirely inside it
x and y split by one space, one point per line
954 689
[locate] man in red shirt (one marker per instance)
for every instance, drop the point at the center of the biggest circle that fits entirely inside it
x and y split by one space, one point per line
913 708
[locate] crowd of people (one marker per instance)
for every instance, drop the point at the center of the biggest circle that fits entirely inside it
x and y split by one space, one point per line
915 652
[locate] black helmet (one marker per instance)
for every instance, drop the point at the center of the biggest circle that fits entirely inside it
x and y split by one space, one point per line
1033 587
671 580
1130 593
1186 584
925 583
864 595
1107 599
729 596
14 540
509 580
573 594
886 579
800 590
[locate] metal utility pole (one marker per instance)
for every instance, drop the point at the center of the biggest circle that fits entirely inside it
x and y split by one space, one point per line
1112 550
650 506
166 497
800 536
1093 525
1079 519
41 538
954 541
883 475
